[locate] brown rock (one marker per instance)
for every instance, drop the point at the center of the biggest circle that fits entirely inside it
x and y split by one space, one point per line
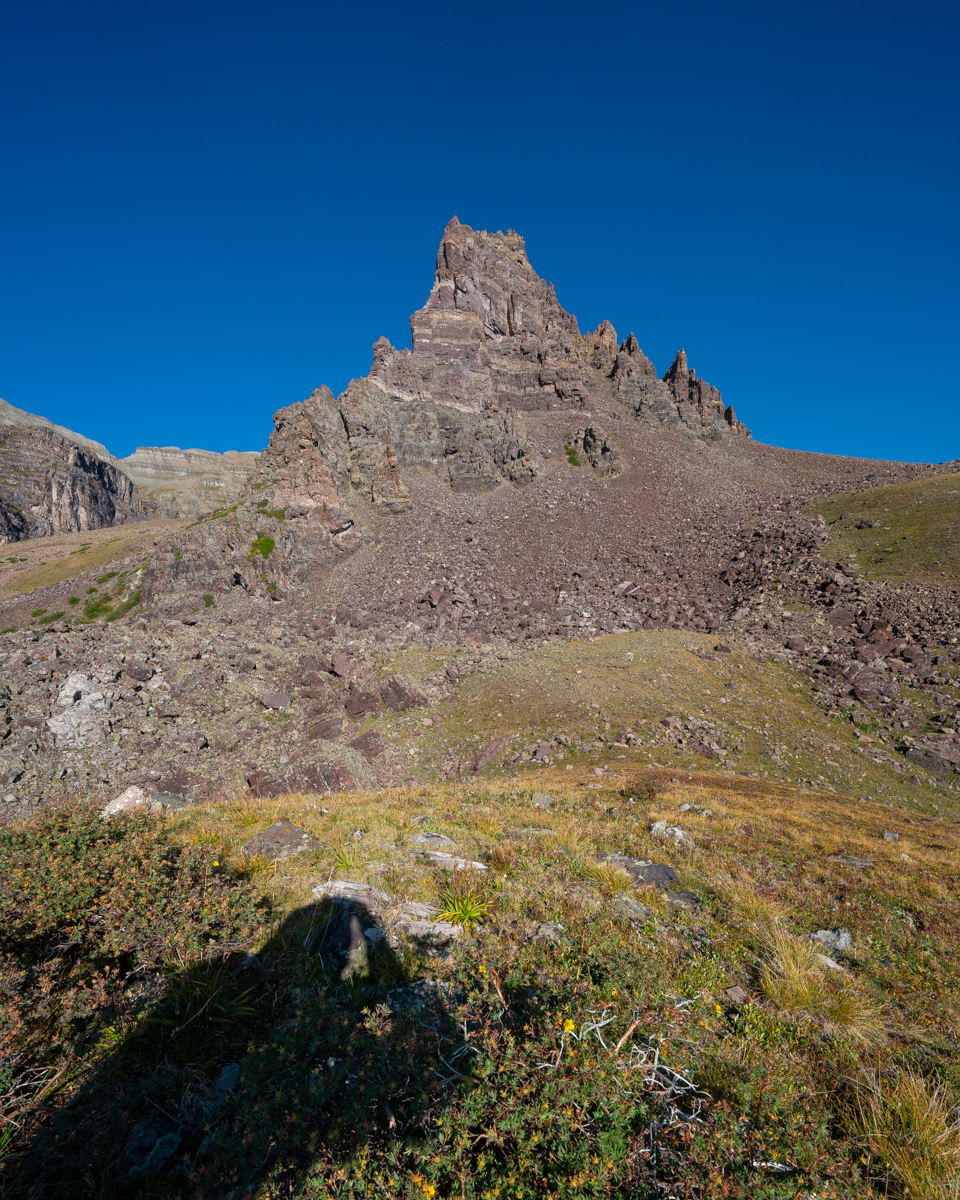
281 841
399 693
308 778
360 699
492 751
369 744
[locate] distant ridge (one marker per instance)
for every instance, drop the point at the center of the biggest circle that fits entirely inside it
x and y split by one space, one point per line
183 482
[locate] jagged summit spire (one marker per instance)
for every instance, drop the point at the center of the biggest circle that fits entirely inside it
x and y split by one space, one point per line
492 333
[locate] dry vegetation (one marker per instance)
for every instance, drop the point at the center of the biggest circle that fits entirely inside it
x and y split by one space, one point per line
812 1081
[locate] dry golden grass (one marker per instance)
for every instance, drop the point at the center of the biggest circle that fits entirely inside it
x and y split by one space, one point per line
504 856
797 983
752 907
611 880
912 1129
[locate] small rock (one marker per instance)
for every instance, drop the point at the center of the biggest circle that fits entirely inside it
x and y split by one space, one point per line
369 744
425 993
281 841
662 829
627 907
229 1078
890 836
150 1145
643 870
542 800
827 962
434 840
548 931
688 900
400 693
451 863
850 860
433 934
275 699
172 801
736 994
834 941
133 798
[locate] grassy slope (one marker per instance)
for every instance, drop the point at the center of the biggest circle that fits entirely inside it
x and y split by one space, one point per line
916 535
42 562
765 712
781 1084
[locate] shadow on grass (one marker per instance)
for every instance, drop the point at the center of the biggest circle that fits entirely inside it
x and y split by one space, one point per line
247 1076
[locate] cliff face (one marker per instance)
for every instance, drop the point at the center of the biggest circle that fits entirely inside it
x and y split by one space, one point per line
50 485
190 482
184 483
491 343
493 333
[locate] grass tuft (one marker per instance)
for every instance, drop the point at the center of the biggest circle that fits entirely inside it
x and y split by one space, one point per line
912 1129
466 908
750 906
612 880
797 983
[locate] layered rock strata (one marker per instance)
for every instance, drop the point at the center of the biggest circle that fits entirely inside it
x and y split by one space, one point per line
50 485
183 483
493 332
187 483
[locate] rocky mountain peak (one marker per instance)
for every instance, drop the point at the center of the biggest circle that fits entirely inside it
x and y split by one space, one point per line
493 334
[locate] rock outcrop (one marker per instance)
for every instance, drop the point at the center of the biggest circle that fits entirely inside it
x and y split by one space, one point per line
50 485
493 333
183 483
491 344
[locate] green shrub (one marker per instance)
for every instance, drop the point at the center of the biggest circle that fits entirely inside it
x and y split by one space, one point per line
107 576
208 600
124 607
86 903
51 617
262 545
38 612
97 607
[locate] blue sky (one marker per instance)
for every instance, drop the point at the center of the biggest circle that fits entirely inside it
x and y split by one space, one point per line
208 209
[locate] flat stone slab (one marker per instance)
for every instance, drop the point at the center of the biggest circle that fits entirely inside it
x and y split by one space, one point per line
627 907
416 910
435 934
850 860
433 841
519 834
281 841
424 993
450 862
643 870
354 893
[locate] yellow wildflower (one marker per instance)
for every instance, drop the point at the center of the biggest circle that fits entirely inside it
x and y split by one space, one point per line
569 1026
